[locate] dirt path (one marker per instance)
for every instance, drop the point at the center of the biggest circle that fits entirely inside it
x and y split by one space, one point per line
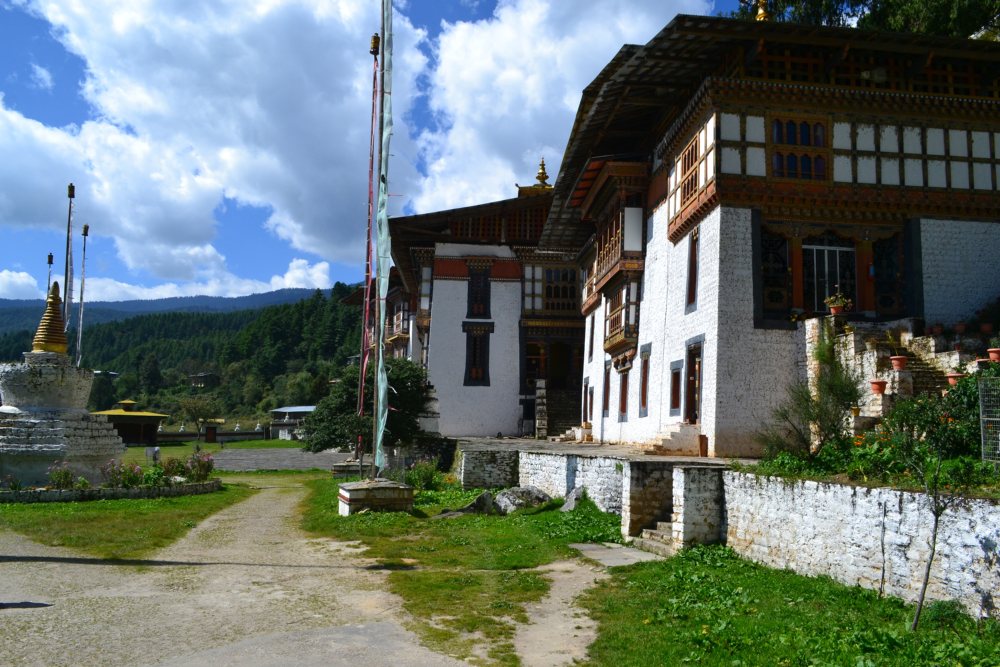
245 587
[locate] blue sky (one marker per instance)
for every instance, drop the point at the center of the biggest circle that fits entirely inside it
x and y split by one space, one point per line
221 147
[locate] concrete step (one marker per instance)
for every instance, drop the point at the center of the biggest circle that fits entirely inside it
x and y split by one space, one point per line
654 546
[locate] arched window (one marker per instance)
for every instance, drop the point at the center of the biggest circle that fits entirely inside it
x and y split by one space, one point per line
778 165
819 168
791 167
805 163
790 132
805 134
777 132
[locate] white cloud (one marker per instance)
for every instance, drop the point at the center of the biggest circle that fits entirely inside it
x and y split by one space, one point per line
267 106
505 90
212 282
18 285
41 78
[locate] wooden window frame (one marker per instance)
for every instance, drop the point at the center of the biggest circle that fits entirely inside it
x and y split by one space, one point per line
478 301
690 164
623 396
644 353
786 158
477 353
694 245
606 394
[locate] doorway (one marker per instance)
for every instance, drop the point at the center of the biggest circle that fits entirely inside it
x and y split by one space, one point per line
692 392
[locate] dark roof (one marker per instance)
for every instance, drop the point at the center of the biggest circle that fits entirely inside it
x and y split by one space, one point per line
426 229
632 102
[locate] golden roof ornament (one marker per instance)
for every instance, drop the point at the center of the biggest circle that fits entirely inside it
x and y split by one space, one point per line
542 176
51 334
762 13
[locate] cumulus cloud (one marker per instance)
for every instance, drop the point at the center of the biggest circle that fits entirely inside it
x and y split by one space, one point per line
265 104
504 90
18 285
41 78
300 273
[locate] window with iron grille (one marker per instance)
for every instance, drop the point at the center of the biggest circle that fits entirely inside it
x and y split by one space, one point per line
477 353
479 294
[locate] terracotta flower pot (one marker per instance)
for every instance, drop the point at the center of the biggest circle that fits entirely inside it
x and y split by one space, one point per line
899 362
954 377
994 353
836 310
878 386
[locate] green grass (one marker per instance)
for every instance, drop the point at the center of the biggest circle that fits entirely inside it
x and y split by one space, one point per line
465 580
707 606
186 449
116 529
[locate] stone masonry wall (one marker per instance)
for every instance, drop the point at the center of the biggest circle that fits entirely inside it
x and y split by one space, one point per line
697 515
487 469
646 494
874 538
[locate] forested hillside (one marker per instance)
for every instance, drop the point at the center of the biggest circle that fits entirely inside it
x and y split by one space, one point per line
279 355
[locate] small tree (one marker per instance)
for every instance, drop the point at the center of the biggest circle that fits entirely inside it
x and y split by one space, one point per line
814 416
335 422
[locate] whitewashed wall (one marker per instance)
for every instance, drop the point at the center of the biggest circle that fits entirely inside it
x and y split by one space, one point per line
961 271
475 410
754 366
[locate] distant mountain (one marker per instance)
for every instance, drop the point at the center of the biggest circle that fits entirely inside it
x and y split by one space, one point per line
24 314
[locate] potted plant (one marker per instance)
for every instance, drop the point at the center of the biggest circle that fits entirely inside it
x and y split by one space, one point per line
994 349
954 377
837 302
898 360
878 386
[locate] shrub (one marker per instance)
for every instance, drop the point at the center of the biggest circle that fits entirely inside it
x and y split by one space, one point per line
60 476
121 475
425 476
81 484
154 476
13 483
199 466
173 468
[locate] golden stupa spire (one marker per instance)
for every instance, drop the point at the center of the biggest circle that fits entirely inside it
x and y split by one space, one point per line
542 175
51 334
762 13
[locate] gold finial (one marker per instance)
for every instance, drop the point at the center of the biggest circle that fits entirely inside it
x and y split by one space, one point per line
762 13
542 176
51 334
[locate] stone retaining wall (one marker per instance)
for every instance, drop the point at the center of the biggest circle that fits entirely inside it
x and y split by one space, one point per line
875 538
646 494
558 474
73 495
486 469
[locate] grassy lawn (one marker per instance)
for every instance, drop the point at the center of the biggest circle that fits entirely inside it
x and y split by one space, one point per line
709 607
464 580
184 450
116 528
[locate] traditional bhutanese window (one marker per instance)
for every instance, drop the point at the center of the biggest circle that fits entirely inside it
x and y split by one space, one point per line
623 396
606 394
692 282
799 149
477 353
590 339
479 293
775 275
532 287
590 404
644 379
689 170
561 290
676 370
586 392
425 288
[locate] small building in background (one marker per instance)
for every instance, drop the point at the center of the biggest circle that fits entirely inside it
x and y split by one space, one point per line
204 380
134 426
285 422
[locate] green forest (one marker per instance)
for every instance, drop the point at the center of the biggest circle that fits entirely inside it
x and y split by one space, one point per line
261 359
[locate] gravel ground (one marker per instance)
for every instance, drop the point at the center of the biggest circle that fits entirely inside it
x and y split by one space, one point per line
246 587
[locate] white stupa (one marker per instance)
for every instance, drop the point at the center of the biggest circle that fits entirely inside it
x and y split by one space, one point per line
43 416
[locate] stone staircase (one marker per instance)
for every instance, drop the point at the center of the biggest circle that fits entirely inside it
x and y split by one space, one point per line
927 379
680 439
659 540
563 413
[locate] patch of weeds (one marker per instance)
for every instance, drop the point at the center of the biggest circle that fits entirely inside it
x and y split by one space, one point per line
708 606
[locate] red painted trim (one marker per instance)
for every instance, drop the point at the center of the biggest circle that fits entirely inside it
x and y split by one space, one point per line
448 267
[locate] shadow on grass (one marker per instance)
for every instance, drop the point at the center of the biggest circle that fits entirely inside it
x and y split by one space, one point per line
23 605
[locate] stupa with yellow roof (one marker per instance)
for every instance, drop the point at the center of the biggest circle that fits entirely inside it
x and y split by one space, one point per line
43 416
